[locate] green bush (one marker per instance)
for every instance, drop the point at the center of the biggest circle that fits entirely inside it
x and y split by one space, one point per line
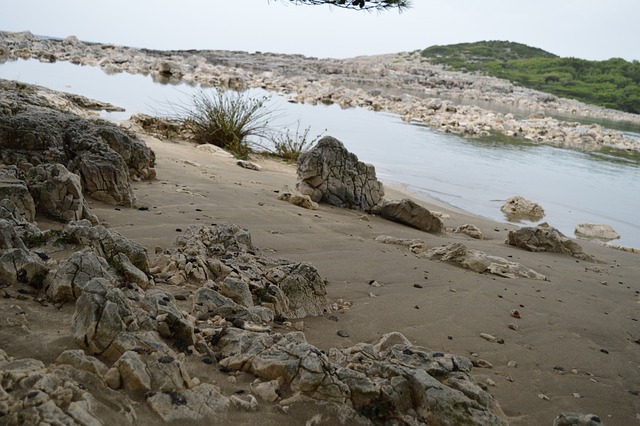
227 120
289 145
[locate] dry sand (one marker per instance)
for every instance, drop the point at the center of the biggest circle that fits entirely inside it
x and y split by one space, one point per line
582 323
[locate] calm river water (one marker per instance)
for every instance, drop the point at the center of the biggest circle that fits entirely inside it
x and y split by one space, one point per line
474 175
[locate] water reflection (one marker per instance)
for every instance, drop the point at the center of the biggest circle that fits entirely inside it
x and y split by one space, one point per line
476 175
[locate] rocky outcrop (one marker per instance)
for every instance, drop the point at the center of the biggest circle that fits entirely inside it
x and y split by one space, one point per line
470 230
546 238
391 379
519 208
20 266
410 213
28 232
58 194
480 262
223 258
331 174
32 393
427 89
106 158
596 231
577 419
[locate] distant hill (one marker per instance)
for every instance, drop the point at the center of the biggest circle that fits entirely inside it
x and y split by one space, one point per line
614 83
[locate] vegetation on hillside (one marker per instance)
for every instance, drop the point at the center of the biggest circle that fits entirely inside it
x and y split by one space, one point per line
614 83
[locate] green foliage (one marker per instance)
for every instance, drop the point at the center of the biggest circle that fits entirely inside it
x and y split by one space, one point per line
34 240
289 145
614 83
378 5
227 120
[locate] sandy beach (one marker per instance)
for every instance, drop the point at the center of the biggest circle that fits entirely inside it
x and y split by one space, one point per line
575 347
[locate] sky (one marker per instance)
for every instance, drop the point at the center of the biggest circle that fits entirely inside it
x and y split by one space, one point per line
588 29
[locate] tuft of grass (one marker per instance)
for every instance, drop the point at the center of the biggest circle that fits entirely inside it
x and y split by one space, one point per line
290 144
228 120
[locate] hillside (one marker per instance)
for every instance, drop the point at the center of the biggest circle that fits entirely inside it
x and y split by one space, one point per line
614 83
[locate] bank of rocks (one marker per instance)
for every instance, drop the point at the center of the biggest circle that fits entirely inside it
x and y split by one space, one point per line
401 83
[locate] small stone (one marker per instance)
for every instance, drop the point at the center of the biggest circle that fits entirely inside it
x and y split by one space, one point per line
491 382
515 314
372 295
481 363
500 341
113 379
509 379
488 337
576 395
513 326
416 285
374 283
342 333
604 351
299 325
543 397
512 364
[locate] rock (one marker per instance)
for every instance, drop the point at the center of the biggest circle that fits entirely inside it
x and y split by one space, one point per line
67 282
102 313
177 326
299 200
204 402
237 290
133 373
519 208
58 194
480 262
576 419
331 174
595 231
267 391
129 271
249 165
546 238
409 213
470 230
19 266
16 191
415 246
107 243
78 360
9 238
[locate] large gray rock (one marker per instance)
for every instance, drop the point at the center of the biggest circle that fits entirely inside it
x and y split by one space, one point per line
102 313
480 262
596 231
410 213
546 238
107 243
66 283
519 208
202 403
19 266
577 419
331 174
58 194
14 189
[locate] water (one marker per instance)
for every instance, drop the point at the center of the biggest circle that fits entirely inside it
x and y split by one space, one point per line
474 175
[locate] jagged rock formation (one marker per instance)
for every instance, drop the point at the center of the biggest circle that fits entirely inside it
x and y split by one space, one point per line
331 174
106 158
546 238
224 258
15 190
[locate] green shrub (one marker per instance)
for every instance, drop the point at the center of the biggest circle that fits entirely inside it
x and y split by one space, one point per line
227 120
289 145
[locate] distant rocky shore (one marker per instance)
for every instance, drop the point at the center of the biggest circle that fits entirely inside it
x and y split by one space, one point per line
402 83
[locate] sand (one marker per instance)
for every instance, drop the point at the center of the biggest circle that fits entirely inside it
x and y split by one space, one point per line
582 323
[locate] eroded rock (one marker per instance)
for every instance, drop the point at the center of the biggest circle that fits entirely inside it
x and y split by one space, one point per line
519 208
331 174
410 213
596 231
546 238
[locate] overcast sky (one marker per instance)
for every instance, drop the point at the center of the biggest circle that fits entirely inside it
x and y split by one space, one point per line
589 29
